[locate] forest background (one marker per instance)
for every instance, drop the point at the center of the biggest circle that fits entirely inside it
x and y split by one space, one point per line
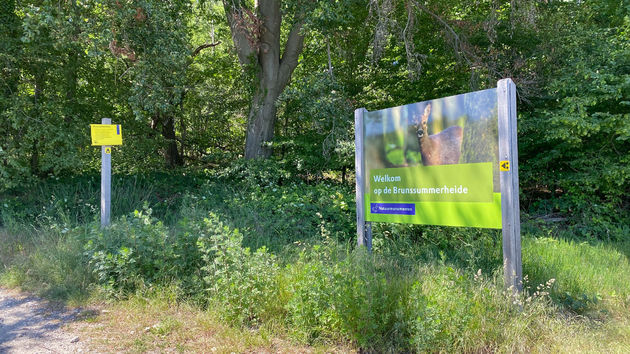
241 112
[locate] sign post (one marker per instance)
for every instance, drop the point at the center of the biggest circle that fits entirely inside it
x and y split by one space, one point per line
510 211
106 180
364 229
106 135
450 161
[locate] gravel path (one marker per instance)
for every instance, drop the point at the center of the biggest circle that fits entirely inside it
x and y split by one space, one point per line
32 325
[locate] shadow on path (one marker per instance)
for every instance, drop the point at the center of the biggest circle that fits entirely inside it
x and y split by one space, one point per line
31 325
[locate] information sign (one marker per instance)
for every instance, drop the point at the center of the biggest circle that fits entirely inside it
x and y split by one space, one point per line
434 162
106 134
451 161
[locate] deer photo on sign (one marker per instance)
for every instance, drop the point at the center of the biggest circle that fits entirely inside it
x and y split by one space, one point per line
434 162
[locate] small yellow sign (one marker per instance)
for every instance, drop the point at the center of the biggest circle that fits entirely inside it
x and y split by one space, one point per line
108 150
504 165
106 134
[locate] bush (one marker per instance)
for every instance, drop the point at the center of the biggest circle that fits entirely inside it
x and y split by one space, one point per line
310 285
275 212
134 249
240 283
348 298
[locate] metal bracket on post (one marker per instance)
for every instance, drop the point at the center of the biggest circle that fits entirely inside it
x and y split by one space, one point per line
510 211
364 229
106 180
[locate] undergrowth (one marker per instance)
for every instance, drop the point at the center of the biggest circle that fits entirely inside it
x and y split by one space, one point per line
267 252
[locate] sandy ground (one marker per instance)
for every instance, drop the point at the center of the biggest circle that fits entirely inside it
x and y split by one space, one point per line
31 325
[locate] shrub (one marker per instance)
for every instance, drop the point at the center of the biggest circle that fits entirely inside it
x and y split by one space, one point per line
353 298
276 215
310 285
240 283
136 248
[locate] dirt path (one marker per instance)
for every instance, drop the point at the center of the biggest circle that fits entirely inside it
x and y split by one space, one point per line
32 325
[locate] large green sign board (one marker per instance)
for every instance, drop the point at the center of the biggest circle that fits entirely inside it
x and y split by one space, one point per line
434 162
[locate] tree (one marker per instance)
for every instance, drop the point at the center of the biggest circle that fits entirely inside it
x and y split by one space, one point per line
576 135
257 41
40 105
153 39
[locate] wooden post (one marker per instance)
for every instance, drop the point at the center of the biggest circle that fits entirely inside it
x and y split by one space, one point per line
106 180
364 229
510 212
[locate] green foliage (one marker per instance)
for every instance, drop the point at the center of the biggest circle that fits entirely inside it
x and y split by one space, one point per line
578 165
256 173
45 107
317 134
242 284
134 250
309 291
332 297
268 205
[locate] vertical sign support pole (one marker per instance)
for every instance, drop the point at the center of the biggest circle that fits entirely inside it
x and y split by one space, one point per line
510 212
106 180
364 229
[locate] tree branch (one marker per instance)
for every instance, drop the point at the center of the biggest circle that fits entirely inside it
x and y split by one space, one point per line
292 50
204 46
244 48
451 31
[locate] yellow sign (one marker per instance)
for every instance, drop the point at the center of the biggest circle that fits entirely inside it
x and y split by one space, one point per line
108 150
106 134
504 165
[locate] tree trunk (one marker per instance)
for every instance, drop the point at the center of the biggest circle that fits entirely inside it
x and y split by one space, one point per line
274 70
34 161
260 123
166 126
171 155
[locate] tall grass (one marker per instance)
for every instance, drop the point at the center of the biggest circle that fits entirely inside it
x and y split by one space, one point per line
75 200
48 262
589 276
276 256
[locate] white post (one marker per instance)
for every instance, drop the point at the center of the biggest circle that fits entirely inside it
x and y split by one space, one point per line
510 212
106 180
364 229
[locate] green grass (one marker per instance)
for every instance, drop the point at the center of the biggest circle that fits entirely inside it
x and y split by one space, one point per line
47 262
74 200
422 289
588 276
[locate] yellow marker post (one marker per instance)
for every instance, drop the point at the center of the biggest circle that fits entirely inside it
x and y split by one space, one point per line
106 134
